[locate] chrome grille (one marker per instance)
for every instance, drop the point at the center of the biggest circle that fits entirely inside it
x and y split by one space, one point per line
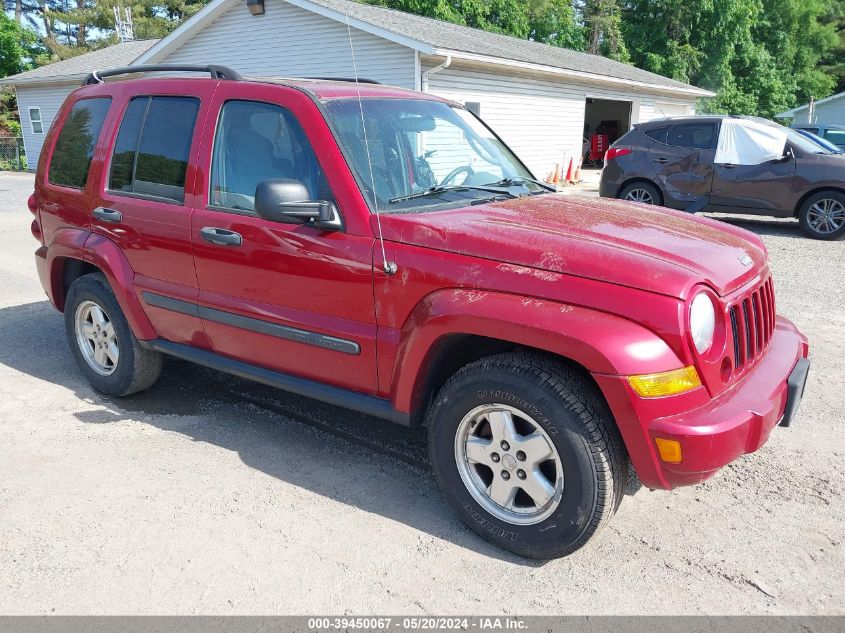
752 323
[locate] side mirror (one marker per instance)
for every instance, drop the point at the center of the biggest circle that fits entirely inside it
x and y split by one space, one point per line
287 201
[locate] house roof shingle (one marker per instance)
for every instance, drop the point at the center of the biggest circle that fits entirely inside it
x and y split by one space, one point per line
112 56
455 37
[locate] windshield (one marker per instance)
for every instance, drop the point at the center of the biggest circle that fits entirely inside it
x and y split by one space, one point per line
794 138
805 144
423 154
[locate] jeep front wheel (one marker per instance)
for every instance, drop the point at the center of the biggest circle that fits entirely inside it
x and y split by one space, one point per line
102 342
527 453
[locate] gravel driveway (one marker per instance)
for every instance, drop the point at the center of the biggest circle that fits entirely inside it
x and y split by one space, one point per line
208 494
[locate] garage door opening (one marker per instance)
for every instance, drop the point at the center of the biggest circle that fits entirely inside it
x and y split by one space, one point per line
605 121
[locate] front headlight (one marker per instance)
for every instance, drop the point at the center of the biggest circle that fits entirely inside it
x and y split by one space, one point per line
702 322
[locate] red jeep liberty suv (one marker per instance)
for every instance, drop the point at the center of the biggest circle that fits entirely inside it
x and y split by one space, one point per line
383 250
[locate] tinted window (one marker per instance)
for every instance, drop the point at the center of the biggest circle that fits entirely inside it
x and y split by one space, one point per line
123 156
695 135
837 137
256 142
75 145
658 134
150 155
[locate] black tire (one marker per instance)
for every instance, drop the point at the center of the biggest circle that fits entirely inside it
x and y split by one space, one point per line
835 198
137 368
573 415
653 192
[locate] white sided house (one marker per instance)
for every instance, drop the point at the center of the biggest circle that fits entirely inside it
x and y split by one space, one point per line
542 100
40 92
829 111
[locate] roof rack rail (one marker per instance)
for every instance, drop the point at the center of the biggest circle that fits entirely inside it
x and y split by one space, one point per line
216 72
360 80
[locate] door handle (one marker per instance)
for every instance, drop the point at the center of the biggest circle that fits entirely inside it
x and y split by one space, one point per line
661 160
107 215
221 237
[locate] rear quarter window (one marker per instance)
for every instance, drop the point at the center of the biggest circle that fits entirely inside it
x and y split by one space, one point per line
658 134
74 148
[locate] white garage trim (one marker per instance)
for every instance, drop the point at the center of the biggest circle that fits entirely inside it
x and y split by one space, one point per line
510 63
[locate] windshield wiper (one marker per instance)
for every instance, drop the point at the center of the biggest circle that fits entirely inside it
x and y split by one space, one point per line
433 191
510 182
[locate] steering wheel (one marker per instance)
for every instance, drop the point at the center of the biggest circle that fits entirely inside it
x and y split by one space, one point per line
464 169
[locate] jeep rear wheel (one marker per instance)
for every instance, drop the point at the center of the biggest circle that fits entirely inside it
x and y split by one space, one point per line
527 453
102 342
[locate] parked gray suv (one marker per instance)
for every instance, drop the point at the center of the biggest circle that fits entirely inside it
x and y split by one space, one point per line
672 162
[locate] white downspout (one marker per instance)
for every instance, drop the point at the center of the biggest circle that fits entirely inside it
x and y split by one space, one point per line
433 71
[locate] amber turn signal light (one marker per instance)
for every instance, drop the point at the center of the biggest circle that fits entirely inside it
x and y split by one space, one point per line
665 383
669 450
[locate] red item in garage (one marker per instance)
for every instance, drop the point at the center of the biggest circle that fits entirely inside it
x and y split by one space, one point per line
598 146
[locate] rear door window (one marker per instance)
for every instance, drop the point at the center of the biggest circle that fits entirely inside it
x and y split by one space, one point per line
693 135
150 157
74 148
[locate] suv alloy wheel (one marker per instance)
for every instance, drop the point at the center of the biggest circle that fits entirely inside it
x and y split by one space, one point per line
102 343
642 192
527 453
822 215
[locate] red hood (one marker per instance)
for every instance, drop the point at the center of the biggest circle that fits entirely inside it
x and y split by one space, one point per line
650 248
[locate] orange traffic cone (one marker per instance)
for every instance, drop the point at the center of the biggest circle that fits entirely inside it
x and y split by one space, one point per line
570 170
551 177
556 179
578 172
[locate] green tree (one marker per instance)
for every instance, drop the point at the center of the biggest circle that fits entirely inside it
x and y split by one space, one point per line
19 47
603 28
553 22
760 56
833 61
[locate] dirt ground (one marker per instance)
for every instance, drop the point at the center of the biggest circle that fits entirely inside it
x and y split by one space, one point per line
211 495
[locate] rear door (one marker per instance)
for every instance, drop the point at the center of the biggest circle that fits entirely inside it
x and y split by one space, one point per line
290 297
682 159
144 202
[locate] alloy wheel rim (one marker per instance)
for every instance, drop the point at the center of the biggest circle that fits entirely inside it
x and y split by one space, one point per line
826 215
509 464
640 195
96 338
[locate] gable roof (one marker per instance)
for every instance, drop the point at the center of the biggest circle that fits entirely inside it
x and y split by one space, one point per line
77 68
795 111
436 37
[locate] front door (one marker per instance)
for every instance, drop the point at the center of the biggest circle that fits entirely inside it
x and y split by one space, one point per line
683 163
289 297
764 187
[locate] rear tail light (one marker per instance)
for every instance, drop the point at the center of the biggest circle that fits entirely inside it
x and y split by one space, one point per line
36 231
616 152
35 227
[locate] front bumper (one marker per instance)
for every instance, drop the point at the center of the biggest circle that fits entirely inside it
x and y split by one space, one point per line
736 422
